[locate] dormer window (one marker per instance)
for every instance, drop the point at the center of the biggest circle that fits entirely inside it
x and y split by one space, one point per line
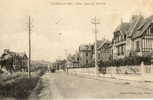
137 46
119 38
151 28
86 53
124 36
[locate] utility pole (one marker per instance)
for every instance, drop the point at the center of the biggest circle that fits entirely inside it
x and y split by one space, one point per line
95 22
66 66
29 61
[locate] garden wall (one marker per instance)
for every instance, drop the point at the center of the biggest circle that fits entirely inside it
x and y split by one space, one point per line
117 70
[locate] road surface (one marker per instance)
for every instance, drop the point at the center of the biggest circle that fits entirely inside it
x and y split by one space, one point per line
60 85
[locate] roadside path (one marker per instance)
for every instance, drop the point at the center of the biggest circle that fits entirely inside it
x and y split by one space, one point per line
60 85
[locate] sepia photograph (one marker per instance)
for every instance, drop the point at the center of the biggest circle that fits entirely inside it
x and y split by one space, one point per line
76 49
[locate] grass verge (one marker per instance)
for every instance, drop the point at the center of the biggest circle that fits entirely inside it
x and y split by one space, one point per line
18 85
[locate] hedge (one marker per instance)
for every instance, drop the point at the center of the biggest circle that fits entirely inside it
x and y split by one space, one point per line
131 60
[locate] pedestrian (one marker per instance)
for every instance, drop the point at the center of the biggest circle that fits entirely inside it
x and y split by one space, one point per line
48 68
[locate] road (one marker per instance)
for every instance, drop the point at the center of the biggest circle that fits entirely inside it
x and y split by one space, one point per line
60 85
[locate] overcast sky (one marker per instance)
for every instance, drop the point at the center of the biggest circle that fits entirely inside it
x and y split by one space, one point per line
56 28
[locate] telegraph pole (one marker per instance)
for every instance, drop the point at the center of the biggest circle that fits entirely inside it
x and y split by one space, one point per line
67 60
29 61
95 22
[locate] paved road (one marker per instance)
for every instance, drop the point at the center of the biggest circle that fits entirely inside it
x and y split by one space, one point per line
67 86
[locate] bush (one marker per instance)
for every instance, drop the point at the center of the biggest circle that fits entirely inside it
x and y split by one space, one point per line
131 60
18 85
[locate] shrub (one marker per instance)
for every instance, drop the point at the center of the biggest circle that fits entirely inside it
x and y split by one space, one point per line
131 60
18 85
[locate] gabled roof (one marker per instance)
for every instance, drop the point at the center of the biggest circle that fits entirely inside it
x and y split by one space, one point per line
136 27
122 28
5 57
143 26
135 22
21 54
72 58
99 43
85 48
10 54
105 42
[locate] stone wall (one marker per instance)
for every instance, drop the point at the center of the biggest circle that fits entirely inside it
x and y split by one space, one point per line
117 70
82 70
123 70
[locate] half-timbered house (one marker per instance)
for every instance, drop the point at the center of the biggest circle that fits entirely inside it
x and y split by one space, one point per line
105 51
135 36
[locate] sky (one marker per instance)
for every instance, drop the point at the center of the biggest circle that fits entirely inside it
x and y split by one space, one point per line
59 28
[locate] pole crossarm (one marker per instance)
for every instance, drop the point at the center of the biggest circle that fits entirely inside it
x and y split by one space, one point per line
95 21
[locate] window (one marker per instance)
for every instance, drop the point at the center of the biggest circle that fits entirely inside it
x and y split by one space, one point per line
81 54
118 51
77 58
86 61
119 38
137 46
98 55
151 29
124 37
122 50
86 53
115 40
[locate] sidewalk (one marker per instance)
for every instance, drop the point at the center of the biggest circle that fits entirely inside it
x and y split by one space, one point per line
139 81
130 77
147 77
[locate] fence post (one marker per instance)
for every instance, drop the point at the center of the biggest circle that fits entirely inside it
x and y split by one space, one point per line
111 70
151 68
142 68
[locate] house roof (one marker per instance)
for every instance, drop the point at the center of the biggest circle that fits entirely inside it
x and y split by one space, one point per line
71 58
21 54
99 42
143 26
9 54
136 27
135 22
5 57
105 42
85 48
123 28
